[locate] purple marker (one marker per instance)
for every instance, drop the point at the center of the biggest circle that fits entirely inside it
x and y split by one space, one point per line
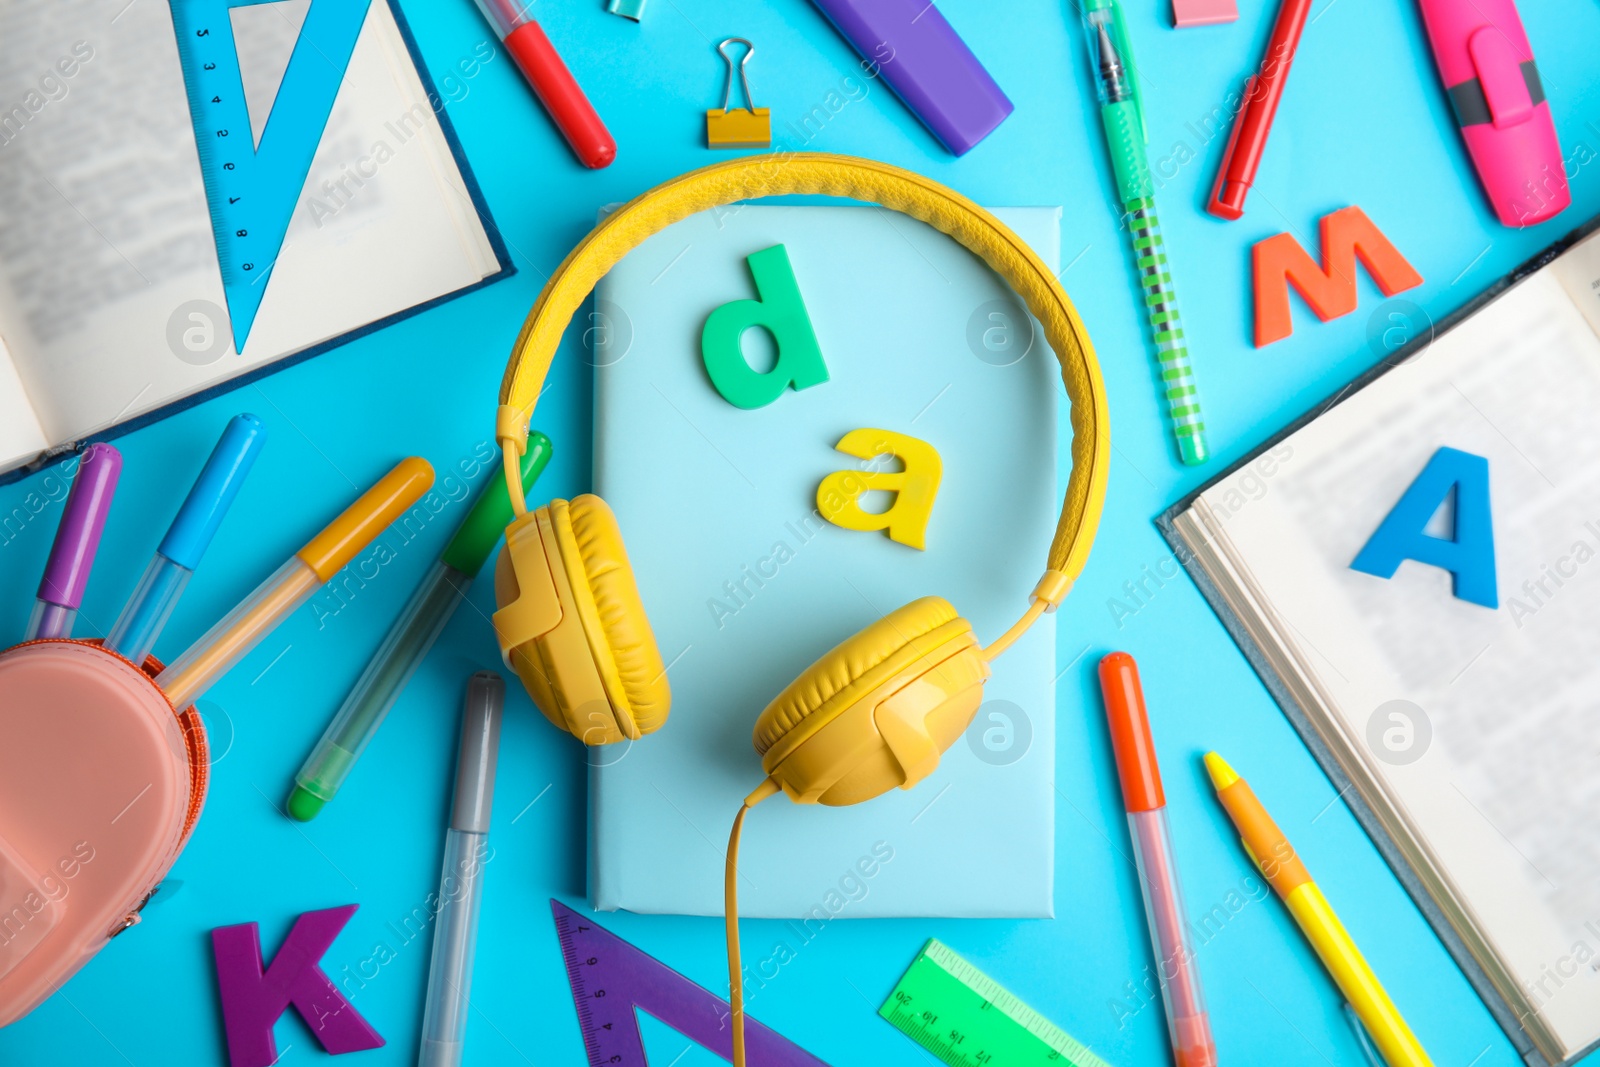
926 64
72 555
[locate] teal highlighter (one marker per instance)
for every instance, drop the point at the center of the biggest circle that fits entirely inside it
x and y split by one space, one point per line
134 633
409 639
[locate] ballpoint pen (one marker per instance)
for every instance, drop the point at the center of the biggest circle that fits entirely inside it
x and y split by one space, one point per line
72 554
292 584
136 629
1122 114
409 639
1272 853
455 935
1188 1026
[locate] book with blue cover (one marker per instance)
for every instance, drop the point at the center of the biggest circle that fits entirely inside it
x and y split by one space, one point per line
112 309
746 584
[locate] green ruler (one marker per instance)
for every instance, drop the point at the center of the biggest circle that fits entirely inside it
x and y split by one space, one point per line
965 1018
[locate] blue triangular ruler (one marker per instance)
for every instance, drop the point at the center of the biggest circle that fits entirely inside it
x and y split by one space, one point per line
251 190
611 979
265 35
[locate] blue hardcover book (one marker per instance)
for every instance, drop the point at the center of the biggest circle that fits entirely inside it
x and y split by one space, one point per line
112 309
746 583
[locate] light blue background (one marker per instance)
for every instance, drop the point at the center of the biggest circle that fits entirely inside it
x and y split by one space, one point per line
1364 122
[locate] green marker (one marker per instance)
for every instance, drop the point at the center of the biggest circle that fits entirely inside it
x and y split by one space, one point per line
1122 112
413 633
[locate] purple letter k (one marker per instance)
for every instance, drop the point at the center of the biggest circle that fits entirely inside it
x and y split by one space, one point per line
254 997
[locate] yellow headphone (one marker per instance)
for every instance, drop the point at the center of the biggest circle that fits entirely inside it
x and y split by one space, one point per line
878 710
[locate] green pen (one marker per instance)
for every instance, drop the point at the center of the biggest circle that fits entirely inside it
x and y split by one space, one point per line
413 633
1122 112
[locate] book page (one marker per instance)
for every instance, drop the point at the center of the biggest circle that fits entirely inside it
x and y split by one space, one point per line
106 249
20 435
1481 724
1578 271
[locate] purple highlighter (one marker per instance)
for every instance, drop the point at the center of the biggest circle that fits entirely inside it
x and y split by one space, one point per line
926 64
77 538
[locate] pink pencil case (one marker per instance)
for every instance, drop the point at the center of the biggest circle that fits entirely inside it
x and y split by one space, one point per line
1498 98
101 782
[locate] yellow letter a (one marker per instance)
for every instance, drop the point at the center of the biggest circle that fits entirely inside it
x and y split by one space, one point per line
906 520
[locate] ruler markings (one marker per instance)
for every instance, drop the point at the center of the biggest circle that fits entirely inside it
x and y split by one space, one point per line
251 190
967 1019
612 981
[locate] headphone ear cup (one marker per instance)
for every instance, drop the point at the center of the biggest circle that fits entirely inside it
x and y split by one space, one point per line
572 626
619 630
878 710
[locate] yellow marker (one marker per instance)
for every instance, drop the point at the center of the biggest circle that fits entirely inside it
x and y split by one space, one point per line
323 556
1280 866
906 520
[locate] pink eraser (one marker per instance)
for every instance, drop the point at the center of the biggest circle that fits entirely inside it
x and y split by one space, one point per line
1203 12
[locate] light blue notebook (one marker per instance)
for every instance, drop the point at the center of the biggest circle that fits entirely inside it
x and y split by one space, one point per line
745 586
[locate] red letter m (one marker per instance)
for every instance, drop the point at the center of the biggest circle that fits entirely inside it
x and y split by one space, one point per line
1347 235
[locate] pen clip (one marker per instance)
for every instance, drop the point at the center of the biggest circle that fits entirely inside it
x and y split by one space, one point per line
1126 43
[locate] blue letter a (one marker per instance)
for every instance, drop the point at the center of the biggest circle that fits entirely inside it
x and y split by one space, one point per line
1468 555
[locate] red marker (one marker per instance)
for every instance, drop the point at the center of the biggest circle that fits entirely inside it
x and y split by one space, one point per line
552 82
1262 91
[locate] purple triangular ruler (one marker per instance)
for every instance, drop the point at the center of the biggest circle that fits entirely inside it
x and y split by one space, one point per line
610 979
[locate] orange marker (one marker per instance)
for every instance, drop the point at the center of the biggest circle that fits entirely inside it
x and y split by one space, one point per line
1188 1026
292 584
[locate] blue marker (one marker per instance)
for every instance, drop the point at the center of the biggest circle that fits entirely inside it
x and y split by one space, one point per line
140 623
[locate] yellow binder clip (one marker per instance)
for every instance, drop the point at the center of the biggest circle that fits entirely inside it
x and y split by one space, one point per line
744 127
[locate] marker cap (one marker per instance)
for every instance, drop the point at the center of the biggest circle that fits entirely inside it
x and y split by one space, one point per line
1227 202
927 64
355 528
480 746
1130 734
82 522
530 49
219 482
475 538
1192 449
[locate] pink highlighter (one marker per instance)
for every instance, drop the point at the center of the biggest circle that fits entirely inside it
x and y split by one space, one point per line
1499 103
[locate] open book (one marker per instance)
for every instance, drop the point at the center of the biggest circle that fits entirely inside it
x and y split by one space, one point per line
1470 734
111 301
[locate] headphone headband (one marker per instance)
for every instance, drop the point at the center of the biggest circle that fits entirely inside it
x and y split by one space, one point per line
857 179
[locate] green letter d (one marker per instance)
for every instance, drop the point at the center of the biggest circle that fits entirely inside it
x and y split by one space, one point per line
782 313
